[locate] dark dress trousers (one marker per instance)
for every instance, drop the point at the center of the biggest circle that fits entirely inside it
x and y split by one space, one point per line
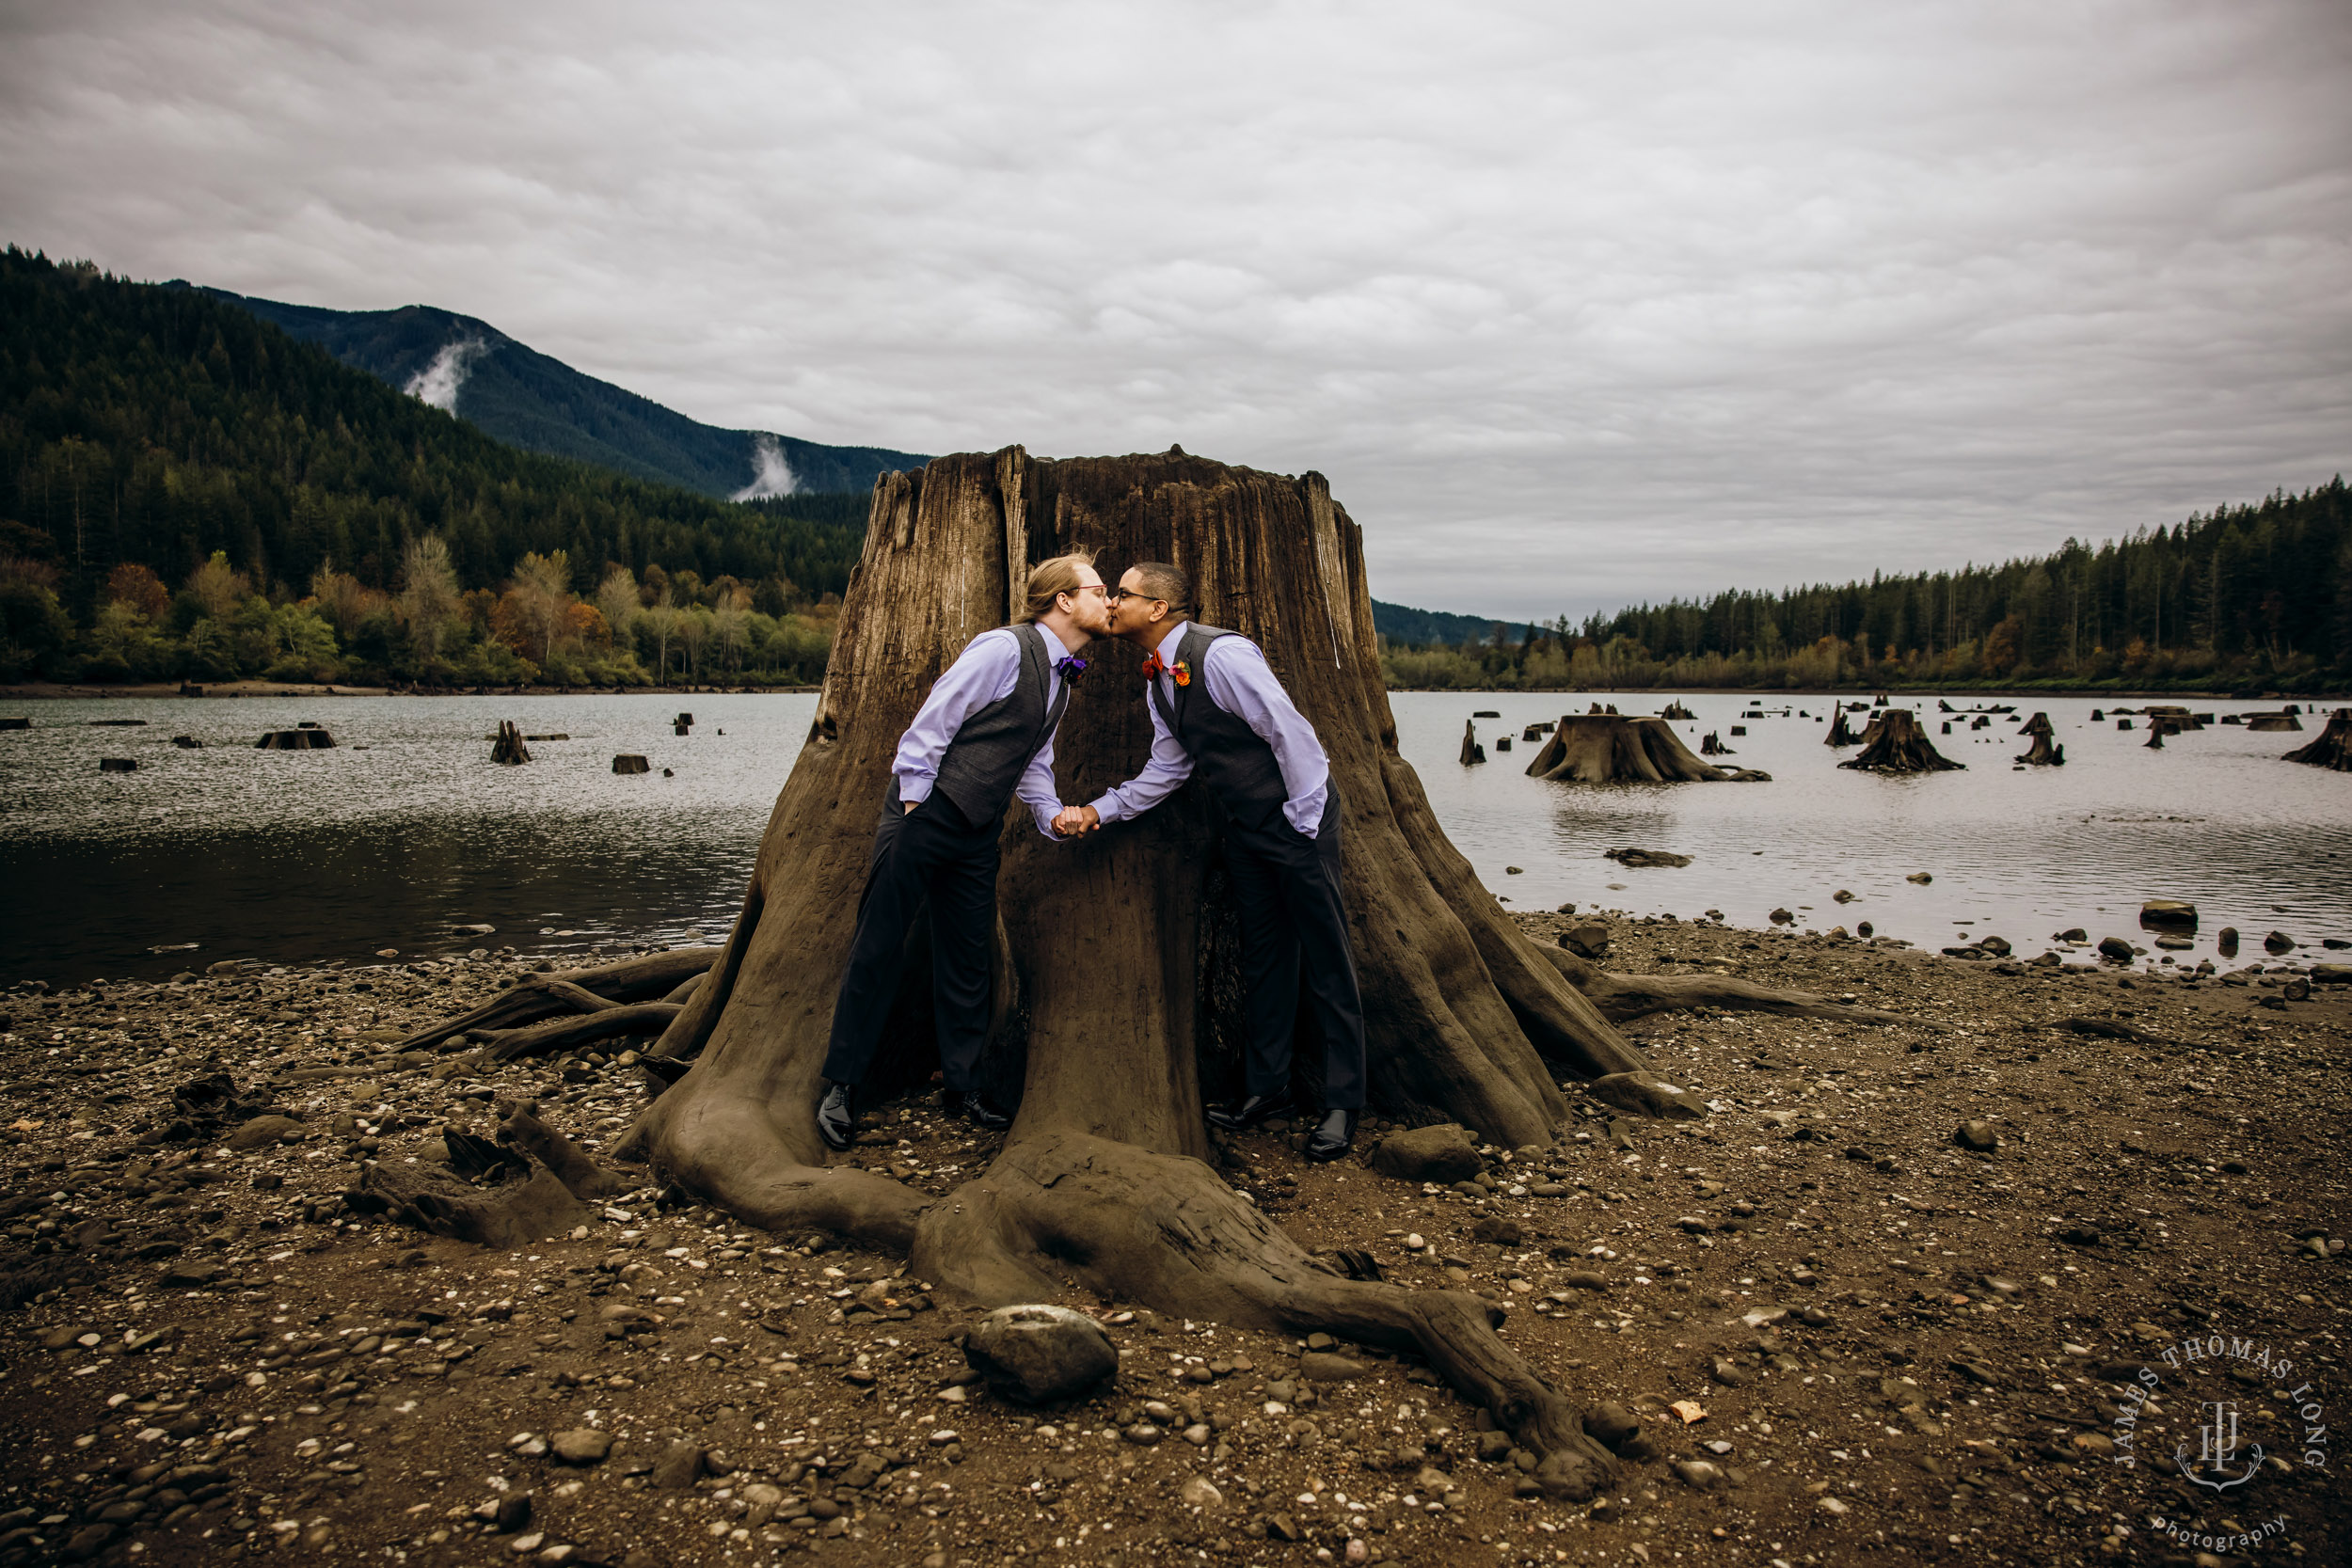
944 852
1286 890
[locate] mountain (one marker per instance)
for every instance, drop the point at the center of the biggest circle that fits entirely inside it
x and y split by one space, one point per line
528 399
1424 628
151 426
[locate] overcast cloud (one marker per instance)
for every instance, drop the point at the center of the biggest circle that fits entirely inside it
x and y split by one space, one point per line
1576 305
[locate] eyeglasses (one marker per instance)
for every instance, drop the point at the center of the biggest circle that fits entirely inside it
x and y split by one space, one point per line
1116 594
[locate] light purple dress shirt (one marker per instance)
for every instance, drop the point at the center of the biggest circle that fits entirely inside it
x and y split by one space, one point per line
986 672
1242 682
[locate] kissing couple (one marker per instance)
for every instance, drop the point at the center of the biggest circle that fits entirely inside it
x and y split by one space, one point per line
985 734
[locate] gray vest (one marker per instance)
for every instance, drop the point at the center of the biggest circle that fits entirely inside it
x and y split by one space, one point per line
996 744
1238 767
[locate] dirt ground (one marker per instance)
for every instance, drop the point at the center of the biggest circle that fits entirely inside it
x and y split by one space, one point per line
1849 1335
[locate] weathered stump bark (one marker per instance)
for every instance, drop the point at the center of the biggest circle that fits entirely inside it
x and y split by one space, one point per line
2333 749
509 749
1594 747
1117 990
1895 743
1838 734
1471 750
2274 723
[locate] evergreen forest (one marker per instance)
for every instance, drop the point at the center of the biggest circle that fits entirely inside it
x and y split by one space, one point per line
2251 598
188 493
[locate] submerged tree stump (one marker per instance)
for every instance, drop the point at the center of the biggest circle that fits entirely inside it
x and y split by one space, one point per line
310 737
1838 734
1713 746
1104 1180
1676 711
2042 754
1594 747
1471 750
510 749
2273 724
1895 743
2333 749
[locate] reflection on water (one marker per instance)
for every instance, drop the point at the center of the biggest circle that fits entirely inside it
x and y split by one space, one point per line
403 832
407 831
2213 817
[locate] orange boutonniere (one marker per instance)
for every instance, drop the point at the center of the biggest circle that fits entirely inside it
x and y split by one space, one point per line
1181 671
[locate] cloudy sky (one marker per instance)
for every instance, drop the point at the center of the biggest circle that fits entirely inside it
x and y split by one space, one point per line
1575 304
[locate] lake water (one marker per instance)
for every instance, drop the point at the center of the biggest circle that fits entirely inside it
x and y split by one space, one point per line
405 831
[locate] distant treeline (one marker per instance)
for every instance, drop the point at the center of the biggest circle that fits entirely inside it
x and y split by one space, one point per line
2258 597
153 437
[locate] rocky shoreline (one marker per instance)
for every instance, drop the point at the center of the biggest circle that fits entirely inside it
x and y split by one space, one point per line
1888 1298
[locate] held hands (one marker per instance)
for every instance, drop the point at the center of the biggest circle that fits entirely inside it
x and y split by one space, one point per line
1077 821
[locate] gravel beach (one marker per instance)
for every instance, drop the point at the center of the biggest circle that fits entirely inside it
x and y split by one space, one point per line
1899 1296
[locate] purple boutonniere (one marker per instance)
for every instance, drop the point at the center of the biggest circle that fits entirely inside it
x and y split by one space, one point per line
1069 666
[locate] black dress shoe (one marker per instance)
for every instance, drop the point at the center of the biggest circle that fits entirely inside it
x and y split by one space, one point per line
973 1106
1333 1136
836 1115
1250 1112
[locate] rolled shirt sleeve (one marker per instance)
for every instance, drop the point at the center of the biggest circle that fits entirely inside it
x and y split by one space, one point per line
1038 791
984 672
1243 683
1167 768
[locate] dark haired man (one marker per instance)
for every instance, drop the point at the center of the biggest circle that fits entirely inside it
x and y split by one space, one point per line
1217 711
983 736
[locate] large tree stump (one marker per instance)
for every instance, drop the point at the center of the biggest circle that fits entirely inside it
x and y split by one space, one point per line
1894 743
2333 749
1596 748
2043 752
1117 993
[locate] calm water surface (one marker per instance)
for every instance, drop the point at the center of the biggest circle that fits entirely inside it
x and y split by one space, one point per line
406 831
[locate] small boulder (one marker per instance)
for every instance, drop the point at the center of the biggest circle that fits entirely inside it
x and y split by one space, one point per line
2114 948
582 1445
1610 1424
1320 1367
1041 1354
1979 1135
262 1130
1199 1492
1587 940
2167 912
1639 858
679 1467
1445 1152
2278 942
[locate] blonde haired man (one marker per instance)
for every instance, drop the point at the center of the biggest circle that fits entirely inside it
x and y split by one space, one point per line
984 736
